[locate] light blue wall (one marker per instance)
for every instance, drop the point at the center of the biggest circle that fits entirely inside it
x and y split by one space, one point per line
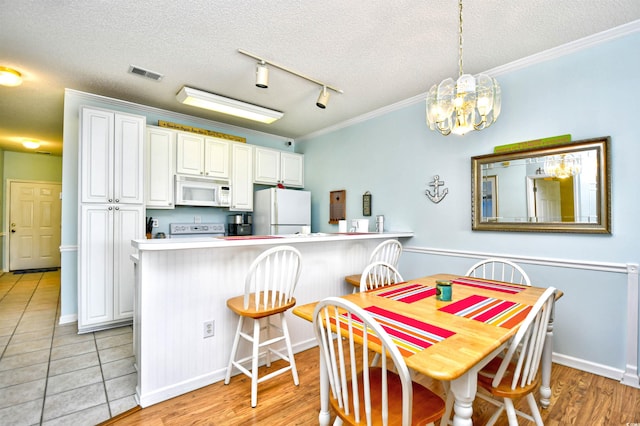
590 93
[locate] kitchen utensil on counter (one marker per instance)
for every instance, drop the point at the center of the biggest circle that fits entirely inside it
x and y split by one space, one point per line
149 227
359 225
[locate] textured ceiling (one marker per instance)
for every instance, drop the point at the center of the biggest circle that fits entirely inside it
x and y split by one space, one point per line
378 52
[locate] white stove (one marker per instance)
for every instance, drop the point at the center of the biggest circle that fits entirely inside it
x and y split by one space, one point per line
196 230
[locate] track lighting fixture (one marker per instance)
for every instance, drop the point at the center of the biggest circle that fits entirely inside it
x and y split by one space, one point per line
262 75
206 100
262 78
323 98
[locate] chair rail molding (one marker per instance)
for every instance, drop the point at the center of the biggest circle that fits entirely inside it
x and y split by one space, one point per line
628 376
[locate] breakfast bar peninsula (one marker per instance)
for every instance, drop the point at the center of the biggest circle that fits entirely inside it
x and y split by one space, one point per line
183 330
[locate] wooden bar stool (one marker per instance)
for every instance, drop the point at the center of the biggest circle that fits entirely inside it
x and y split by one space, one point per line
269 287
388 251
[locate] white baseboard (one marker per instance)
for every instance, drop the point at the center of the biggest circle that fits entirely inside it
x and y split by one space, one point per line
588 366
177 389
66 319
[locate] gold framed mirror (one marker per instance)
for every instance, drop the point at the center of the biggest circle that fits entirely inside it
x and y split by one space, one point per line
564 188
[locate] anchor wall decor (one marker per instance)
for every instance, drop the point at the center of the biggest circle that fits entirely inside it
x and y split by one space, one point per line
436 196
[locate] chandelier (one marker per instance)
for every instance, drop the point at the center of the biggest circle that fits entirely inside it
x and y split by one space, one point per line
562 166
471 103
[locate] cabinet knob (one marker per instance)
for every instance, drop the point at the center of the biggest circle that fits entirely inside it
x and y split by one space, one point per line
117 200
111 200
110 208
117 208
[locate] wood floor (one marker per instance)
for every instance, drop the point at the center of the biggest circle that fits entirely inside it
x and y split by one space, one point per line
578 399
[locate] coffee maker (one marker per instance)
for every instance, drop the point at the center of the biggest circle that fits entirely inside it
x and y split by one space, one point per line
239 224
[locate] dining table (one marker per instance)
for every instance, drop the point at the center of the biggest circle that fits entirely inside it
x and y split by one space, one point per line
450 341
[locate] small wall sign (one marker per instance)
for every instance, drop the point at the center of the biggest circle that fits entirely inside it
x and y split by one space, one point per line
366 204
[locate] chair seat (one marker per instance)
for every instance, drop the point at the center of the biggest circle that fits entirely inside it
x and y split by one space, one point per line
354 280
236 304
427 406
486 375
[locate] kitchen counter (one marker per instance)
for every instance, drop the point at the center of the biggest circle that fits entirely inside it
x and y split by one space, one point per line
257 240
182 283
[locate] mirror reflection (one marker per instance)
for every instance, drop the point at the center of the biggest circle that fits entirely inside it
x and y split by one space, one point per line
558 189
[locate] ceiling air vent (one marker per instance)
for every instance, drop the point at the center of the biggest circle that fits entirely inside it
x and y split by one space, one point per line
145 73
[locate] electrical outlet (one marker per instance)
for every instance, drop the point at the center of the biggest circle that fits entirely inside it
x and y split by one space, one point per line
197 219
209 329
154 223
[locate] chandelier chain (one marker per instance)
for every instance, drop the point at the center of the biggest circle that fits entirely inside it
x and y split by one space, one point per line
460 37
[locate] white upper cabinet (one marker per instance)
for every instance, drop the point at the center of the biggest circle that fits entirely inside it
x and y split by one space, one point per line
272 167
111 150
202 156
241 177
292 169
159 161
216 158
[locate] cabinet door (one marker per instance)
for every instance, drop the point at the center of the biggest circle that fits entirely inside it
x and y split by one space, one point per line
267 166
128 163
292 169
242 177
127 225
96 156
189 154
159 168
216 158
95 295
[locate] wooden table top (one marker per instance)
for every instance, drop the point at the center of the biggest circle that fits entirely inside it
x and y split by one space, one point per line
473 339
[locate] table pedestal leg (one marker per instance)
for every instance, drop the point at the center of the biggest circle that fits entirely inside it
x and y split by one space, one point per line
464 390
325 416
545 386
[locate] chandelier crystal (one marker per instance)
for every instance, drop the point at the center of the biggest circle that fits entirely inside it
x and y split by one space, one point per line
562 166
470 103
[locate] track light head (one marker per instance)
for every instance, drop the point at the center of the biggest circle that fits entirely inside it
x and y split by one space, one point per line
323 99
262 75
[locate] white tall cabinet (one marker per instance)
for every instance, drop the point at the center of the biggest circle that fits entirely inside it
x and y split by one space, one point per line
111 214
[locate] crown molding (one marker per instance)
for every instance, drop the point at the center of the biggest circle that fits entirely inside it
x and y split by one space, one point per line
546 55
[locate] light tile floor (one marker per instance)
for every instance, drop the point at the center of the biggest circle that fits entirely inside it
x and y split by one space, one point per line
50 374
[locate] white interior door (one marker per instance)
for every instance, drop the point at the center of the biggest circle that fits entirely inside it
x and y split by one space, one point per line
34 225
548 200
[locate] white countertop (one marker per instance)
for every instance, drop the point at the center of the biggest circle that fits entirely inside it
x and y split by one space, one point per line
254 240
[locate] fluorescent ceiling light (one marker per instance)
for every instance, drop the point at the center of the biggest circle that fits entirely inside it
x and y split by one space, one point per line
206 100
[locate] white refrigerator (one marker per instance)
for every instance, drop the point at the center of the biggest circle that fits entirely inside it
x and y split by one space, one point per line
281 211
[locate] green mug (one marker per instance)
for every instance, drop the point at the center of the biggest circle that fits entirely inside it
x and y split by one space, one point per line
443 291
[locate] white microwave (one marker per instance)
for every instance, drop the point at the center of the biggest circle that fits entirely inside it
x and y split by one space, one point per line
194 191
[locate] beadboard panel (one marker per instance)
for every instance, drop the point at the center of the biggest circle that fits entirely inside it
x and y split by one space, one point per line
178 290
